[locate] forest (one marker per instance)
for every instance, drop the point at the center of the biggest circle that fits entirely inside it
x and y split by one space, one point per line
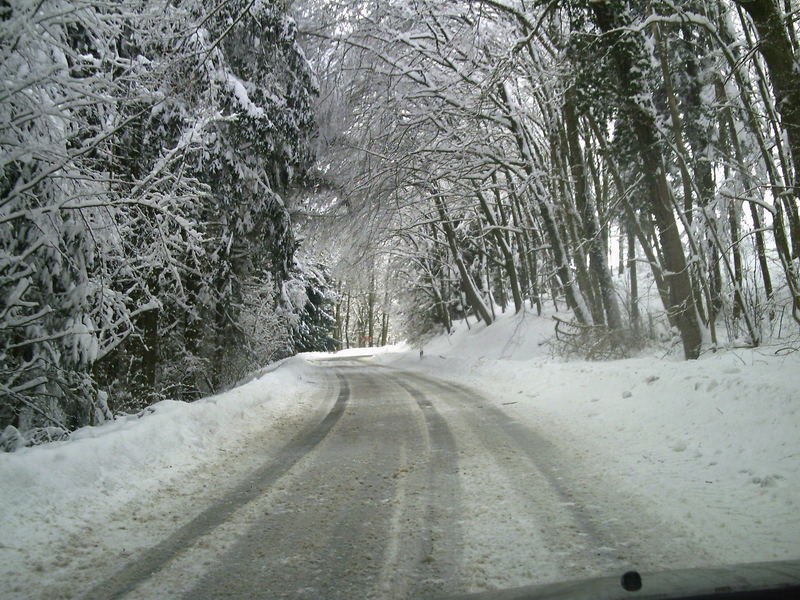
193 189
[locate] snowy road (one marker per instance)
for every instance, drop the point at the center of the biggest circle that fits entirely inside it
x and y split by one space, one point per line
408 487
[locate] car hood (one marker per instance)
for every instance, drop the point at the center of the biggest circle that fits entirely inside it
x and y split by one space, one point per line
771 580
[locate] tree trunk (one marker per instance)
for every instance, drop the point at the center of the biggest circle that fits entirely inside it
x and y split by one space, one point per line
347 322
634 226
588 214
148 322
473 296
371 311
384 329
632 277
527 241
682 304
700 144
337 332
505 251
733 135
733 223
779 233
776 48
568 220
573 295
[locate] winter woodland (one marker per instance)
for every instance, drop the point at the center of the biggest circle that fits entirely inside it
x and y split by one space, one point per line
192 189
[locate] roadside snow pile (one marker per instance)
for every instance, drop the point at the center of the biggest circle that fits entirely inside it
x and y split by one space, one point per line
712 444
50 492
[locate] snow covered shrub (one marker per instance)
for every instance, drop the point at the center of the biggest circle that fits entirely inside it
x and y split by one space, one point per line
57 313
11 439
594 342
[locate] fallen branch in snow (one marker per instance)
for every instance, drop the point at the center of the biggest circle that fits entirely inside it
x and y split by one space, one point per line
785 350
593 342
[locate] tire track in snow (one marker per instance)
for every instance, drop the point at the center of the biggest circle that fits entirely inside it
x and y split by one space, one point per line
541 453
323 534
441 540
156 558
518 527
617 531
370 515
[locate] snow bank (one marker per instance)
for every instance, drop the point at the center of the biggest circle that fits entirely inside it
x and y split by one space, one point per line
712 444
57 490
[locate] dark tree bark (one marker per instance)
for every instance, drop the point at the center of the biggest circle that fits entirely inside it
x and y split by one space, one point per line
573 295
776 48
568 219
371 310
473 297
503 246
624 52
738 154
633 225
588 214
384 329
347 322
632 276
148 321
527 241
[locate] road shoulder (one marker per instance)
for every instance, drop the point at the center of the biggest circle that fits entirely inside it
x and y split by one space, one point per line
76 511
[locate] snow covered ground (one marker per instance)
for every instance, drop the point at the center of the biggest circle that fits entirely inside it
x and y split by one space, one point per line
712 444
114 489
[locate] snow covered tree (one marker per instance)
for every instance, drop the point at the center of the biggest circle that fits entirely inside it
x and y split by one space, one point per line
315 319
147 153
508 141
